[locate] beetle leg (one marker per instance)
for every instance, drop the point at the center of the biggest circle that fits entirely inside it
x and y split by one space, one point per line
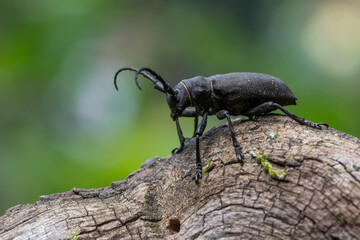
181 138
185 113
191 113
239 155
199 131
271 106
195 124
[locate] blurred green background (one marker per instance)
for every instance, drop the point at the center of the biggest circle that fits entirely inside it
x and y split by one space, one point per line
63 125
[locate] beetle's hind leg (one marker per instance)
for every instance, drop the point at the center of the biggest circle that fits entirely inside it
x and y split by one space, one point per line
239 155
271 106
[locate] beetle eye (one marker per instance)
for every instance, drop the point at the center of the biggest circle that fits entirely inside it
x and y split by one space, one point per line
176 92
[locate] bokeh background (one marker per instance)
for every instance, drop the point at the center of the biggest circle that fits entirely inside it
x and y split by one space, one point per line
63 125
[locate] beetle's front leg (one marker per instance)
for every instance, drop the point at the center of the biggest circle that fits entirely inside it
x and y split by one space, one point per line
185 113
199 131
181 138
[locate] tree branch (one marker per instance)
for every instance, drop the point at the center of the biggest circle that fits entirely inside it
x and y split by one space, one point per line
318 199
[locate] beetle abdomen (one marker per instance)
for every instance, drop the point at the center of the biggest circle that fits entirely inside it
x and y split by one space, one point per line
240 92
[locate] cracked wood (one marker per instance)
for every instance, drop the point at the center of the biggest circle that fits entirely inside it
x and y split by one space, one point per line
319 199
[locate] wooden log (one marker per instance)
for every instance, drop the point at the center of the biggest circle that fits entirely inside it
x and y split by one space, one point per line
319 198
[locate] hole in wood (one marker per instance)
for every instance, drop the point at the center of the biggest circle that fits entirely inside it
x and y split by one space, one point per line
174 225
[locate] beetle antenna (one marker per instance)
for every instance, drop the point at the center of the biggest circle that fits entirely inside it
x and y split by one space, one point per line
165 86
136 81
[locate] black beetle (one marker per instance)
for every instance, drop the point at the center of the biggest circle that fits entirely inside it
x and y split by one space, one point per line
242 93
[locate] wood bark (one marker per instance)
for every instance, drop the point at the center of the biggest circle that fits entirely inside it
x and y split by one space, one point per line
319 198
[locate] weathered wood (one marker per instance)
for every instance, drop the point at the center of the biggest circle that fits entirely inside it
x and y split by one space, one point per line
319 199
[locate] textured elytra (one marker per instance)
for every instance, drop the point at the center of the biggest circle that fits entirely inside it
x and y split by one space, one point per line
319 198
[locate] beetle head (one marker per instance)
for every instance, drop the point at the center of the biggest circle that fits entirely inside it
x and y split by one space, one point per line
178 101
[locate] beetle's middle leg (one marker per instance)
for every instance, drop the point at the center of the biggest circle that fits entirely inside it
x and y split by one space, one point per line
195 124
199 131
239 155
271 106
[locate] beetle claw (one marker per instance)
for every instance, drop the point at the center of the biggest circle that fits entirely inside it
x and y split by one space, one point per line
323 124
240 156
198 176
178 150
316 125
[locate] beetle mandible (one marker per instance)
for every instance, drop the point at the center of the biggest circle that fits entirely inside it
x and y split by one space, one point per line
241 93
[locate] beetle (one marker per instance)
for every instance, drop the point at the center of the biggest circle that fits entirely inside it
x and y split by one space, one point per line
240 93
